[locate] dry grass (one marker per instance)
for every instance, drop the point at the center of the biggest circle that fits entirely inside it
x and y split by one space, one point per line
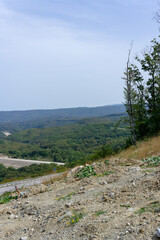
145 149
56 178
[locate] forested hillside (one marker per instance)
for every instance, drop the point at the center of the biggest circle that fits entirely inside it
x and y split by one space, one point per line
65 143
49 122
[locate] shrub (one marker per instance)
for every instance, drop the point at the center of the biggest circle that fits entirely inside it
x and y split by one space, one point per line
6 197
86 172
106 162
152 161
75 218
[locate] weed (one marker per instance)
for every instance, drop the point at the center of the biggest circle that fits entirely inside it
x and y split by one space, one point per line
55 178
6 197
98 213
126 206
86 172
106 162
148 171
99 164
142 210
108 173
99 193
66 197
105 173
152 207
152 161
74 218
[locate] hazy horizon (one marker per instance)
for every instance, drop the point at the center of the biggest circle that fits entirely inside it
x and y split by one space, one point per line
69 53
37 109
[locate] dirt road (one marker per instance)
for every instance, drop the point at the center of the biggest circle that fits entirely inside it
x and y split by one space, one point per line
10 187
17 163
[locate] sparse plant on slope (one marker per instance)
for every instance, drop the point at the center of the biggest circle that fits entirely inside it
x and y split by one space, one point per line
106 162
125 206
74 218
86 172
66 197
152 161
152 207
6 197
100 212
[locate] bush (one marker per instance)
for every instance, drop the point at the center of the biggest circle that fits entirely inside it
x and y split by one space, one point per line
152 161
86 172
6 197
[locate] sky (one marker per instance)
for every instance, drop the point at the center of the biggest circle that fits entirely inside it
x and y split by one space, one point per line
69 53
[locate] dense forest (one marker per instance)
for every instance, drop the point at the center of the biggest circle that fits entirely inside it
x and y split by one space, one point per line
49 122
68 144
74 142
35 170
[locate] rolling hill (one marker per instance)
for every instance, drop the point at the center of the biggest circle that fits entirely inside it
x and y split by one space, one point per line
68 113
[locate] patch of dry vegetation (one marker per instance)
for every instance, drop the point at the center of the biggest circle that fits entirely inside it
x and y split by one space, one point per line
144 149
55 178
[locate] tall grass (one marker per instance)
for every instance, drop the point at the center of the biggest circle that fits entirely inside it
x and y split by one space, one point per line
147 148
55 178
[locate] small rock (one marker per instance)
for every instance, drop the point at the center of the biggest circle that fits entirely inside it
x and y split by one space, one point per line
86 165
12 216
9 212
23 238
22 194
135 169
111 195
68 214
91 189
82 191
141 230
158 232
133 184
103 183
68 205
131 209
93 164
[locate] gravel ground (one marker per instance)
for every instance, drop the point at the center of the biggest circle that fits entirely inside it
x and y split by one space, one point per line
125 204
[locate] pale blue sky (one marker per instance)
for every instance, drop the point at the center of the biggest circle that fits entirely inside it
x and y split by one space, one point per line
69 53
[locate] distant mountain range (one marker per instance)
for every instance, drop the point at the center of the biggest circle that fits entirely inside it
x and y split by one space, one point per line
66 113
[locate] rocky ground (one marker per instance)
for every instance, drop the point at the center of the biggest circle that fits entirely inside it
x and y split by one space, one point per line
121 202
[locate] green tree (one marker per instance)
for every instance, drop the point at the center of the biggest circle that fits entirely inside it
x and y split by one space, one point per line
142 98
140 112
151 64
129 95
